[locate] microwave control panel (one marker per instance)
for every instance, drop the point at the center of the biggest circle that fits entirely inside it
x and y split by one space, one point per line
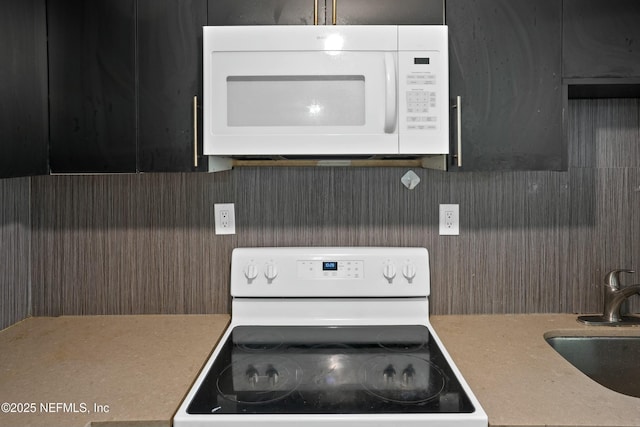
420 97
421 104
423 90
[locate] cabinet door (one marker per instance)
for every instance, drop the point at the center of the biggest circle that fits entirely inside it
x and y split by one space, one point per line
92 85
23 88
169 45
264 12
505 63
601 38
385 12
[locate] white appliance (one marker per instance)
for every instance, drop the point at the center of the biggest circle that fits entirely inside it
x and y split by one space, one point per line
326 90
334 337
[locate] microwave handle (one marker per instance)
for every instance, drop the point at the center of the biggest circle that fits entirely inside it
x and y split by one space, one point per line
391 110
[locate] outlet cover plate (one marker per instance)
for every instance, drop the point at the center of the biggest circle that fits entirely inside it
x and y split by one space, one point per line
450 220
225 218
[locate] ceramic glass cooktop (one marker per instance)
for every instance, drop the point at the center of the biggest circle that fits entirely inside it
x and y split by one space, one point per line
330 370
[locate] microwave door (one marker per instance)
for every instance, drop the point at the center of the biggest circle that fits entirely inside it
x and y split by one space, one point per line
301 103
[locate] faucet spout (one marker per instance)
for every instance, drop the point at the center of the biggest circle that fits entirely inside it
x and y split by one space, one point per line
614 296
613 300
612 279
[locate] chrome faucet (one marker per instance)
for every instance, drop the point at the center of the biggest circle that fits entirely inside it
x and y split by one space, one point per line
614 296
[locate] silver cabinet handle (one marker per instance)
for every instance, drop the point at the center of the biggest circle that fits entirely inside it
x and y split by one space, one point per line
315 12
334 14
458 107
195 131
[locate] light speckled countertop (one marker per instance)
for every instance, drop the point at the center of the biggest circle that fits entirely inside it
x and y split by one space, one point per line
54 370
521 381
142 366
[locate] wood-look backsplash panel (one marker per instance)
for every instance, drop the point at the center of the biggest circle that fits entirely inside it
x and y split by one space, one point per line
14 250
530 241
127 244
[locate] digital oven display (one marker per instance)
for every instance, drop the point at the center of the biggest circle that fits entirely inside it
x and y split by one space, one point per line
329 266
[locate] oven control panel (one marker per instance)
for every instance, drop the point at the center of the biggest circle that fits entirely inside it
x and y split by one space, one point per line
329 272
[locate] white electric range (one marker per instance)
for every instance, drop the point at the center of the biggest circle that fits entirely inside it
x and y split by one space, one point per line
334 336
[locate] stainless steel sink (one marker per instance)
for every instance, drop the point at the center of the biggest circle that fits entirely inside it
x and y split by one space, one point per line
612 361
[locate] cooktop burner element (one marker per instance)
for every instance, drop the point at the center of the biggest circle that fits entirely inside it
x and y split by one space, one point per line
402 340
258 380
404 379
335 337
252 341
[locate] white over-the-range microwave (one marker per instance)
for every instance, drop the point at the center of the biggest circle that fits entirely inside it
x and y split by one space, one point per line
318 91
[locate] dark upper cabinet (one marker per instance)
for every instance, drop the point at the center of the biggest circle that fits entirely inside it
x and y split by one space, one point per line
264 12
601 48
123 76
505 64
123 73
169 55
23 88
92 85
385 12
601 38
346 12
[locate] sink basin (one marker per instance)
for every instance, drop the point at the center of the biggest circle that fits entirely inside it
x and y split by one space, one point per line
612 361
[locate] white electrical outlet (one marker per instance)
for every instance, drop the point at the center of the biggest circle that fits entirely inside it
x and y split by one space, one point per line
449 220
225 218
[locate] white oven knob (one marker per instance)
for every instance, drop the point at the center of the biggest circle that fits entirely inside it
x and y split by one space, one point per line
409 271
251 272
271 271
389 271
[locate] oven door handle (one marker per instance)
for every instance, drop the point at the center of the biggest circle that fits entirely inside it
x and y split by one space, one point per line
391 110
